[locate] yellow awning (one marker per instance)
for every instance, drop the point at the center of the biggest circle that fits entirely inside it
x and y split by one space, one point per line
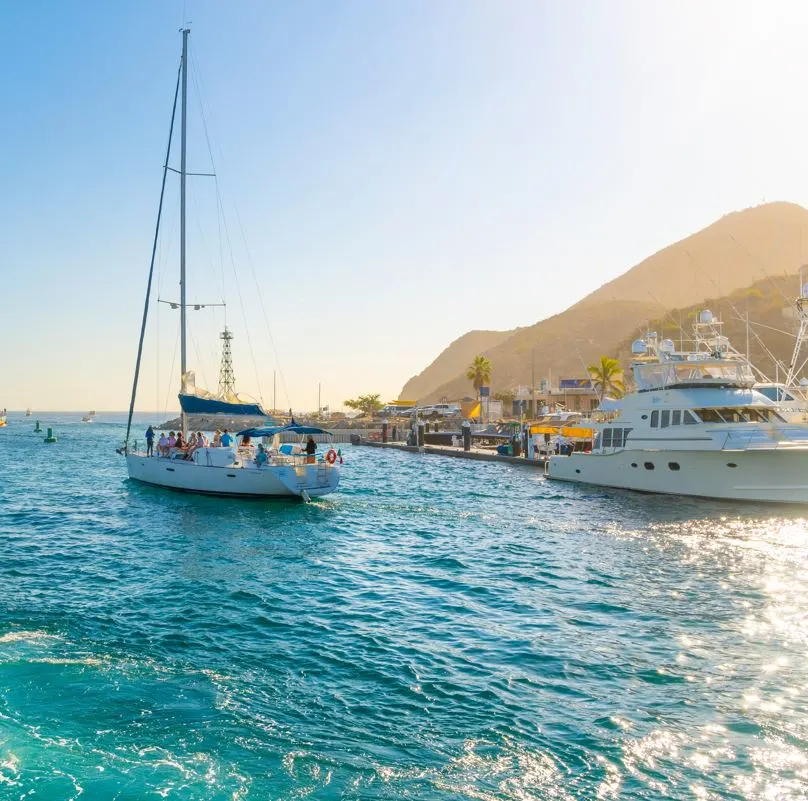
573 432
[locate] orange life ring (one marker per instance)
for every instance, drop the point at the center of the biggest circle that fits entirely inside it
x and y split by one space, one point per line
331 456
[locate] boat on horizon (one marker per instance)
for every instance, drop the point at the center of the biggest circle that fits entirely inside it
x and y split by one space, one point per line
229 470
89 417
694 425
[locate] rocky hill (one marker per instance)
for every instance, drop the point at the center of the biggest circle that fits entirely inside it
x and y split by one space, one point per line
732 253
451 361
564 344
741 248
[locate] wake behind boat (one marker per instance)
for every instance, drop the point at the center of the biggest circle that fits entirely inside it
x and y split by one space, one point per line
279 470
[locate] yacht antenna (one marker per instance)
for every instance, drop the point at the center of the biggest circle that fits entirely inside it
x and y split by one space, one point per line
183 132
802 313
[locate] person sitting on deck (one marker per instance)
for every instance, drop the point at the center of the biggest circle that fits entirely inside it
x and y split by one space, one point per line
180 446
162 444
217 439
197 441
261 457
172 441
311 449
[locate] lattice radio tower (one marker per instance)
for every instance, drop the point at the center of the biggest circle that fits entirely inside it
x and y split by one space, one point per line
227 381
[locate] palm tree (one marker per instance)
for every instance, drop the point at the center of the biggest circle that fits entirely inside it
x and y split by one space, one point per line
479 373
607 377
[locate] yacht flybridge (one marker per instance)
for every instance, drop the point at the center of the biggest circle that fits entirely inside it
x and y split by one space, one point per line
239 470
694 425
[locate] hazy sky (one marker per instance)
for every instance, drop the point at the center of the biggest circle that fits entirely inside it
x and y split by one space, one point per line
402 172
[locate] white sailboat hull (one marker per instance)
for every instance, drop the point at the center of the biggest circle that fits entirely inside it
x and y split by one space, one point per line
286 480
773 475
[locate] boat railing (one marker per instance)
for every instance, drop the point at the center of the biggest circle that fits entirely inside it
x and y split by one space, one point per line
764 438
297 459
693 372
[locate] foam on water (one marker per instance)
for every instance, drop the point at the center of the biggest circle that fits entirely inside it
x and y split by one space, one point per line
440 629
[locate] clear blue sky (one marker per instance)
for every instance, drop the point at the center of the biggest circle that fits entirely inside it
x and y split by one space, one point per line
403 172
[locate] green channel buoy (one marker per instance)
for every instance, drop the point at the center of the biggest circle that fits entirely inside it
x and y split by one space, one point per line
50 437
38 429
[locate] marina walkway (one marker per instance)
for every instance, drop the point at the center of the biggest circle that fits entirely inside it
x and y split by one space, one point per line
477 454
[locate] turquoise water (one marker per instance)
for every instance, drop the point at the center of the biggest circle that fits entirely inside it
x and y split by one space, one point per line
438 630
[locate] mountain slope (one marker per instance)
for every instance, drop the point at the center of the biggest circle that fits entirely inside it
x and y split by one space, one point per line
732 253
565 344
452 361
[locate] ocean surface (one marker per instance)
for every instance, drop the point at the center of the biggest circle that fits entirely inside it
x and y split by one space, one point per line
439 629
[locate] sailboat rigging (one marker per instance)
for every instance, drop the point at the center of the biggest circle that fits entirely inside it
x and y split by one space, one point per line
224 468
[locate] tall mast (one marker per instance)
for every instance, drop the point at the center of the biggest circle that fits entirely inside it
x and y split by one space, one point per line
183 129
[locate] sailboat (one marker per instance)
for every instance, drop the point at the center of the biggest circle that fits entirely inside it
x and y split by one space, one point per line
280 470
28 412
89 417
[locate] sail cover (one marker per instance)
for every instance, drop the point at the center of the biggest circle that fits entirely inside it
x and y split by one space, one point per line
194 404
195 400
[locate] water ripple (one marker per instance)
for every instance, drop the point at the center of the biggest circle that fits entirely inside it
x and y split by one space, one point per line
439 630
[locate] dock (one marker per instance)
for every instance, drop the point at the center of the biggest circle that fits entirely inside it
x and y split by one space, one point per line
475 454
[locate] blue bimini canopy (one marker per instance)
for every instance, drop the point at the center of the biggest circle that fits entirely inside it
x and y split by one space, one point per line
291 428
193 404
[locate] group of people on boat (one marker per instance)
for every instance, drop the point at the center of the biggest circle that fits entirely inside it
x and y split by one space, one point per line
176 446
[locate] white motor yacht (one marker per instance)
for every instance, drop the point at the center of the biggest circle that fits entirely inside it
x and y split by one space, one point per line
694 425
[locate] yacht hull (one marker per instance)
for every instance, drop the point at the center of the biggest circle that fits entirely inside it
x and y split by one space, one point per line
774 475
289 481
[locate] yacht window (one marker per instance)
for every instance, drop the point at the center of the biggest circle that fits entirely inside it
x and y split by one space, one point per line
649 465
673 466
710 416
654 419
770 392
666 419
596 443
617 438
676 417
607 437
690 419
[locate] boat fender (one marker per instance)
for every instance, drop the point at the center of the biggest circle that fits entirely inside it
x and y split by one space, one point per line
331 456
